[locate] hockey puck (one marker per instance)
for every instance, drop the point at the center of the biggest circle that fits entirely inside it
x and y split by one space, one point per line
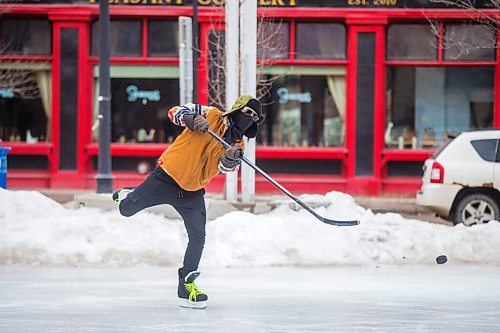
441 259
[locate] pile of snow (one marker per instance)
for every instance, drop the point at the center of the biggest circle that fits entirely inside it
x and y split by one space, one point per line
35 230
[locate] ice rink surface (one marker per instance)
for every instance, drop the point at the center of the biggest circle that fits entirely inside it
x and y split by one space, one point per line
440 298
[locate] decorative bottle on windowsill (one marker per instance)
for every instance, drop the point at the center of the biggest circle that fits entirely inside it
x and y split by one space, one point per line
401 142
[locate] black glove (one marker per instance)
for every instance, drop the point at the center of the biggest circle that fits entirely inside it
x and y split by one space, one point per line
196 122
232 156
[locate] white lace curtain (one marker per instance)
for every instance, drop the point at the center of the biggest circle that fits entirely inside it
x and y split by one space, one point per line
336 86
44 82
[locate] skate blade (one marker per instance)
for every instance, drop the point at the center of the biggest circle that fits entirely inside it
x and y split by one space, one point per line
192 305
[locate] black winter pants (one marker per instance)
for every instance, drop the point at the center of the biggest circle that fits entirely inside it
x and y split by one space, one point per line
159 188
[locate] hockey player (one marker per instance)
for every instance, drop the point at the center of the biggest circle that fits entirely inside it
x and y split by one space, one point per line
183 170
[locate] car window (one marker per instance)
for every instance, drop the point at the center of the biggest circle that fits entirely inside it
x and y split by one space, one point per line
486 148
498 151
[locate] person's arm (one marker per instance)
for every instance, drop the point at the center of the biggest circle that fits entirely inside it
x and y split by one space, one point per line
191 115
231 159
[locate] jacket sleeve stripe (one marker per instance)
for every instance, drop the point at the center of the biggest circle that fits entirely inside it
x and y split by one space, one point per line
176 114
223 169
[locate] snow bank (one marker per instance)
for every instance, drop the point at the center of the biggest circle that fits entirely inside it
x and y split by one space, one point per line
35 230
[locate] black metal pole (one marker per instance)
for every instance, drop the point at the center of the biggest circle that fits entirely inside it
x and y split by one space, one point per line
104 177
196 47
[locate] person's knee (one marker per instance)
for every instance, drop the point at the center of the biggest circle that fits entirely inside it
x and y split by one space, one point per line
197 239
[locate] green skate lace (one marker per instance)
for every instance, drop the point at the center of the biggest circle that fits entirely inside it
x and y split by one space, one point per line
193 291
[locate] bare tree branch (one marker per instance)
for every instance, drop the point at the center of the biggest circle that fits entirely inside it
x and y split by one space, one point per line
23 82
267 42
462 38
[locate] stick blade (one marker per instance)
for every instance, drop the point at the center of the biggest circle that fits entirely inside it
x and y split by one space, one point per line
339 223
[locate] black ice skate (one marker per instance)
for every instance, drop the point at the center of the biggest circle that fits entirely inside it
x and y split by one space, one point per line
189 294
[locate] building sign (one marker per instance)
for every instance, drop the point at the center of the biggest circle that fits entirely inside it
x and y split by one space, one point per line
6 92
146 96
285 96
279 3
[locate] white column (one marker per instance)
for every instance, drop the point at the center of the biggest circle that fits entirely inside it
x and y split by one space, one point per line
232 78
248 59
185 60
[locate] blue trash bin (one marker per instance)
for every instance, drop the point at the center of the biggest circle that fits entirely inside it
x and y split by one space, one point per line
3 166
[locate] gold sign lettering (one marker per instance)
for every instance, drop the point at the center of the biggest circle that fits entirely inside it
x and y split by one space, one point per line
372 2
279 3
218 2
145 2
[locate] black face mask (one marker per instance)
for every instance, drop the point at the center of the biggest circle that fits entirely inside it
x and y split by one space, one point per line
240 123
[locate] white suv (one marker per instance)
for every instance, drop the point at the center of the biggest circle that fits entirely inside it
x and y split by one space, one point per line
461 180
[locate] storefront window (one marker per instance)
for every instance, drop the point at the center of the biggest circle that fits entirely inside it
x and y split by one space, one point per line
26 36
306 109
124 38
273 40
25 102
139 110
163 38
426 104
469 42
411 42
320 41
141 98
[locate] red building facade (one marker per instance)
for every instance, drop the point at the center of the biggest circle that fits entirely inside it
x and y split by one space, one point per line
357 93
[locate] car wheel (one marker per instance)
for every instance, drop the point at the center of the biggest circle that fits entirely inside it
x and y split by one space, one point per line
476 209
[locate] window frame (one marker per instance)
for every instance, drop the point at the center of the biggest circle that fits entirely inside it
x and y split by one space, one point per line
271 66
418 154
440 56
343 25
438 40
144 57
292 59
38 62
30 56
128 71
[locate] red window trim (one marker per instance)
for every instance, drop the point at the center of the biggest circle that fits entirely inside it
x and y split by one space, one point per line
440 55
441 64
119 149
25 58
137 61
283 152
406 154
262 152
23 148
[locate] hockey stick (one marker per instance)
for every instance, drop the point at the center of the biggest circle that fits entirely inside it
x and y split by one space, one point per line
284 190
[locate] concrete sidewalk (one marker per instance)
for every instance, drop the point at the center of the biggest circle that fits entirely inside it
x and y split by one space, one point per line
217 206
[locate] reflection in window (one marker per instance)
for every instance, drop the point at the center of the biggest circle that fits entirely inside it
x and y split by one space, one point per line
304 110
124 38
469 42
273 40
411 42
163 37
426 104
320 41
139 110
26 36
25 105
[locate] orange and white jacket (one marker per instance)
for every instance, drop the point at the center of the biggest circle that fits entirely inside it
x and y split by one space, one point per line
193 159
